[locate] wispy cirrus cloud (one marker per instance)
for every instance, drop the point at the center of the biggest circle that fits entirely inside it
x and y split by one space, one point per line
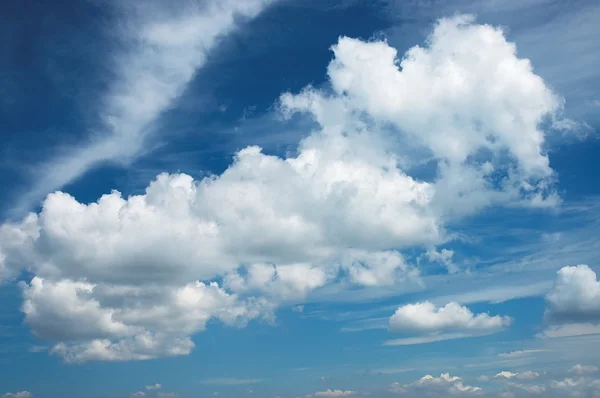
162 50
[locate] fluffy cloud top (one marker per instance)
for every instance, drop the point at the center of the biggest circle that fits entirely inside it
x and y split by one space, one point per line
425 317
125 273
573 303
575 295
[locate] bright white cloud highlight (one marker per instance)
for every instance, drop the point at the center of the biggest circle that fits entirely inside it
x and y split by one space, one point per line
164 48
575 295
425 317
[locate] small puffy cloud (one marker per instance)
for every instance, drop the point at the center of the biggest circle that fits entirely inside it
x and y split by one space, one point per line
153 387
335 393
573 303
431 386
425 317
138 394
505 374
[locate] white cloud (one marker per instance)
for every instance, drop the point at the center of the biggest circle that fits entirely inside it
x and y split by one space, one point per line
443 257
575 295
431 338
335 393
505 374
123 273
569 329
138 394
425 317
21 394
528 375
436 386
520 353
153 387
468 106
573 303
584 369
164 49
525 375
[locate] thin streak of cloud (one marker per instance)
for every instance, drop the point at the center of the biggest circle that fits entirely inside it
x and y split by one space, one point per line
164 52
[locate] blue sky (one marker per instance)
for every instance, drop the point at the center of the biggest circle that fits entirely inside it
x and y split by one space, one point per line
293 198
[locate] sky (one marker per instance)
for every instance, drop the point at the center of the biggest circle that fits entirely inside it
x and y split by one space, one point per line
299 198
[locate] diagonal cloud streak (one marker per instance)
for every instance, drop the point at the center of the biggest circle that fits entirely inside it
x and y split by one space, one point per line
165 49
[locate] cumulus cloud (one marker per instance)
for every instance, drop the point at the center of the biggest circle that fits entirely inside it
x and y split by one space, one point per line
505 374
130 276
435 387
153 387
573 303
335 393
425 317
575 295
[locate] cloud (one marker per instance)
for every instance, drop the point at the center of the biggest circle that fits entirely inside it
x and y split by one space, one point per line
584 369
506 375
335 393
569 329
454 104
573 303
21 394
153 387
435 387
575 296
520 353
166 395
164 48
131 276
443 257
425 317
138 394
526 375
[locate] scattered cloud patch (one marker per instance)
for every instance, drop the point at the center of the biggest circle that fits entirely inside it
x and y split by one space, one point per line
335 393
431 386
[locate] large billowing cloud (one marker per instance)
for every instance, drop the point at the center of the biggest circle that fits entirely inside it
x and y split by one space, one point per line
124 273
573 304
